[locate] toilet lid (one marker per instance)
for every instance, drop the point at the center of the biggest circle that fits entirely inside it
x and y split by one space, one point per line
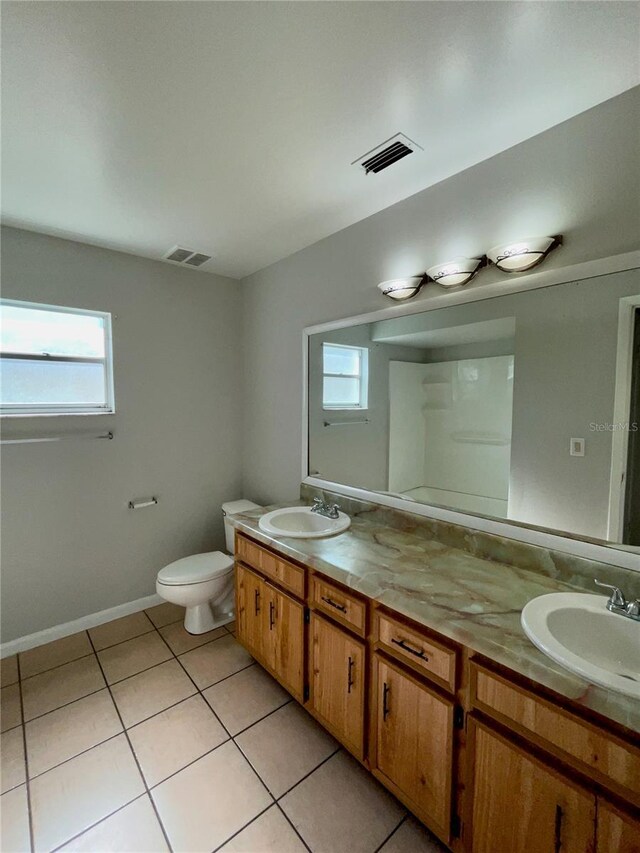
197 568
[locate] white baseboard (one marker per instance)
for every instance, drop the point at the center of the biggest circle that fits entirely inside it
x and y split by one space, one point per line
23 644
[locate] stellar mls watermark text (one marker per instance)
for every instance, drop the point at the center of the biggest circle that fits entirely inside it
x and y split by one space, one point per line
617 427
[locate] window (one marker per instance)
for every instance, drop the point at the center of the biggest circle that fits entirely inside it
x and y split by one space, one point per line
54 360
344 377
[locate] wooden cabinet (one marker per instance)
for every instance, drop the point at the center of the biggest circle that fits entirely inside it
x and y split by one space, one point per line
413 750
531 772
271 626
522 805
250 604
617 831
337 682
284 643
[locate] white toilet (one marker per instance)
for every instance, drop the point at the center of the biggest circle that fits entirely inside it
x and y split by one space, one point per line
203 583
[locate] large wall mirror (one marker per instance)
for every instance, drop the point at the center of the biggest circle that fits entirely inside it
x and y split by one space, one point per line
507 407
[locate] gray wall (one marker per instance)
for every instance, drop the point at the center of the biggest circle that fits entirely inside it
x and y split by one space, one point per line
70 546
580 178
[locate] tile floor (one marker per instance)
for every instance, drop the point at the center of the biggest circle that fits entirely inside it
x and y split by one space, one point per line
136 736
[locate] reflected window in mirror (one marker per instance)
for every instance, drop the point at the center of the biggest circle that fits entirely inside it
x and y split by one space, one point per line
344 377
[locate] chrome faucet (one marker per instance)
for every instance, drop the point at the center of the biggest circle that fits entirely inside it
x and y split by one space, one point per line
322 508
617 603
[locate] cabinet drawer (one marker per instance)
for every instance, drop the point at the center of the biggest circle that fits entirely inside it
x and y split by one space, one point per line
342 606
421 652
285 574
595 751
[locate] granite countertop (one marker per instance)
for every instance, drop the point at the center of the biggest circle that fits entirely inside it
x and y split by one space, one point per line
473 601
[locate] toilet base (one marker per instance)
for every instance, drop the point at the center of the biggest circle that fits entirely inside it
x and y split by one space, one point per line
200 618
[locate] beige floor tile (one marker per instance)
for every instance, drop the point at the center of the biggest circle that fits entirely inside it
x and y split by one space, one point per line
8 671
12 766
133 656
206 803
14 827
134 829
149 692
182 641
176 737
165 614
72 797
53 654
412 836
10 706
362 813
56 687
120 630
269 833
246 697
61 734
231 627
215 661
286 746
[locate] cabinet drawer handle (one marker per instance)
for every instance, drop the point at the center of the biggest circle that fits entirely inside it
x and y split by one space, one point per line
350 680
385 701
558 830
272 618
419 653
332 603
257 601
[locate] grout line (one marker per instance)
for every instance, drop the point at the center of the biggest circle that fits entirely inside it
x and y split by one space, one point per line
293 826
77 754
66 705
391 834
51 668
260 719
306 776
242 828
26 762
135 757
120 642
93 825
180 769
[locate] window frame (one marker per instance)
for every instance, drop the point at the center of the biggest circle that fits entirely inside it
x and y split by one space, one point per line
362 377
26 410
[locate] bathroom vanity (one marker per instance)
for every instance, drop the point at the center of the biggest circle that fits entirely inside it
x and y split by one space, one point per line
410 653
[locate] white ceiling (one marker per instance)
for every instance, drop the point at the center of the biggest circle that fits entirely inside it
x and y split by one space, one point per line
230 127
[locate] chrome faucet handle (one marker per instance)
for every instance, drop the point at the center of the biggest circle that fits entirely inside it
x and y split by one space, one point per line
334 511
633 609
617 598
318 505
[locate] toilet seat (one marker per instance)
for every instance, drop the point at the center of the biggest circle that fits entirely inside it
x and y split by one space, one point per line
198 568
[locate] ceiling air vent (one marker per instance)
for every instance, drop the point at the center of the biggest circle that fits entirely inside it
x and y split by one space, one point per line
180 255
385 155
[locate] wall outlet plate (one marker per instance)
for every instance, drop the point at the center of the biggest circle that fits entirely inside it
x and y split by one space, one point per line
576 447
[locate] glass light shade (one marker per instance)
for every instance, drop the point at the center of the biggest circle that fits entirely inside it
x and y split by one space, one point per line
521 256
454 273
401 288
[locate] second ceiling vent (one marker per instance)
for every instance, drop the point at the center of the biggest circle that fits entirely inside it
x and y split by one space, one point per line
386 154
180 255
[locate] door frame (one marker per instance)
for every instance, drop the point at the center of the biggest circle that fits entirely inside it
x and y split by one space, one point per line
621 411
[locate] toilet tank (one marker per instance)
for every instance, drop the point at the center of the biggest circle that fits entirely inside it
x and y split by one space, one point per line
230 508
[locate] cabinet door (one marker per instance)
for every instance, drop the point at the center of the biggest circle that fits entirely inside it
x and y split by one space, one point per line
250 609
522 806
284 639
414 743
337 682
617 832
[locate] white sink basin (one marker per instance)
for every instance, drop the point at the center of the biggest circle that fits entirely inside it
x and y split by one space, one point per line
577 631
298 522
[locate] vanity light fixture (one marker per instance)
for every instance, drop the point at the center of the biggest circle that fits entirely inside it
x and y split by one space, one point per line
521 256
457 272
401 288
